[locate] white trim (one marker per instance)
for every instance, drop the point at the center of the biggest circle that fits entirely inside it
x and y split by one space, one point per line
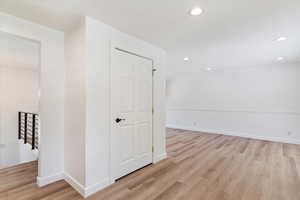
239 134
86 191
75 184
96 187
112 155
18 68
160 157
225 110
42 181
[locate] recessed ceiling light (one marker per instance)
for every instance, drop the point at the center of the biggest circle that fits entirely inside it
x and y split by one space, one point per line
196 11
280 58
186 59
281 39
208 69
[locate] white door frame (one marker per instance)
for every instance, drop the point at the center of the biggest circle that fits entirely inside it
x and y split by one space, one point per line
112 154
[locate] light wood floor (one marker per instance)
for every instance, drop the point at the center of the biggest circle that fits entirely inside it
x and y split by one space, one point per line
200 166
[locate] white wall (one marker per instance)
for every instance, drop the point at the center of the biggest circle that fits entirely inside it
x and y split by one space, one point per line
52 93
259 102
19 88
95 103
75 104
26 153
99 39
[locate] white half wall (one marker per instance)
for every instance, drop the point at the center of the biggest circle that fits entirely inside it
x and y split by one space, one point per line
258 102
19 88
51 107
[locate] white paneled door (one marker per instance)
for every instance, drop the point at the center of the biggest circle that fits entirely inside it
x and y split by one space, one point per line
131 112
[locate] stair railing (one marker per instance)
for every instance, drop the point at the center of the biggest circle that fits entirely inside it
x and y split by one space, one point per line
28 128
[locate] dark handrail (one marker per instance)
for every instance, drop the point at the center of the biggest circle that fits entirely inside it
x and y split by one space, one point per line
33 132
27 127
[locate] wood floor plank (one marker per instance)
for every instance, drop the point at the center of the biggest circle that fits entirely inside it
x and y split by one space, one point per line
199 166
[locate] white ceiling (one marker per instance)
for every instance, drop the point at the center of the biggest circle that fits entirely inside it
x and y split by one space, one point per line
18 53
229 33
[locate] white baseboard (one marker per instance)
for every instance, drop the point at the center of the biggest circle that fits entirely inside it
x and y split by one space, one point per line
159 157
42 181
233 133
96 187
75 184
86 191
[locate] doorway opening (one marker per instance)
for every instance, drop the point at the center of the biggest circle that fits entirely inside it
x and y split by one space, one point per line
19 101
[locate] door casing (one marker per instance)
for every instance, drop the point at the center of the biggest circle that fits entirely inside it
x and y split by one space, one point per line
112 163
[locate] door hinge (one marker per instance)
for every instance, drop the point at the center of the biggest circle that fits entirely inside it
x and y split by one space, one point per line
153 70
152 110
152 148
